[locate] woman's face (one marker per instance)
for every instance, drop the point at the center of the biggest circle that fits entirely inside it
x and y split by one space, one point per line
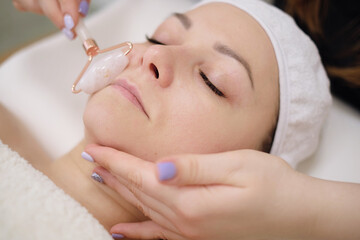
209 83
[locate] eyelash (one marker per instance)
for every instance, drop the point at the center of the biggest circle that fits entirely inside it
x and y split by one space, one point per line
202 74
153 41
210 85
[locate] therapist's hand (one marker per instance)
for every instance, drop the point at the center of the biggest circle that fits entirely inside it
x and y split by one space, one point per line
63 13
242 194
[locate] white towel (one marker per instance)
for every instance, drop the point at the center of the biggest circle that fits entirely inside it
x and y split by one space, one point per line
33 207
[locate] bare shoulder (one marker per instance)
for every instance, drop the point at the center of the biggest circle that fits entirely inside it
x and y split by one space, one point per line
14 134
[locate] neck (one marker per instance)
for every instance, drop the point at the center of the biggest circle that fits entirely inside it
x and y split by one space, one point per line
73 175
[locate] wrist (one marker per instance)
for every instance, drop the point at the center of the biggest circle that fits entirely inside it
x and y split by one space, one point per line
310 209
300 212
337 211
328 210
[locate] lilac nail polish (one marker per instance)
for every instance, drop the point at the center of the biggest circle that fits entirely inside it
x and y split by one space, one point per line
68 21
117 236
87 157
167 170
68 33
84 7
97 178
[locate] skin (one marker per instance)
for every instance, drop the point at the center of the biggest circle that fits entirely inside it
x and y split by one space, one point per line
183 115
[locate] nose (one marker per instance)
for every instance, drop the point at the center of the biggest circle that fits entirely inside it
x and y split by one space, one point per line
158 61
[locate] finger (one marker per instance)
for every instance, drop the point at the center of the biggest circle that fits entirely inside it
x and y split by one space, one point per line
144 230
140 179
151 208
134 170
71 7
111 158
52 10
116 185
202 169
138 174
135 197
18 6
31 6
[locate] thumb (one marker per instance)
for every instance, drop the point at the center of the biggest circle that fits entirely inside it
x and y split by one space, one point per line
201 169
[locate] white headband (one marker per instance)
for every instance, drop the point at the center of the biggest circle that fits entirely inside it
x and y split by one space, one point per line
304 86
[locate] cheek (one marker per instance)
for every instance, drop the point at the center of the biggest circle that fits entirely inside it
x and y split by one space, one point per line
202 127
98 122
109 121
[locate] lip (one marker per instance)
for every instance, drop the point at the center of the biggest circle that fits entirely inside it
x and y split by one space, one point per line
130 92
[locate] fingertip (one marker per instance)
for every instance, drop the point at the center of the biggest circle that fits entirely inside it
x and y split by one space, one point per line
166 170
106 177
84 8
117 229
117 236
90 153
99 154
69 21
97 177
136 230
93 149
70 10
18 6
87 156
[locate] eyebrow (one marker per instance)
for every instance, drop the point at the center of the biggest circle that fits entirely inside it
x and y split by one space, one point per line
185 20
223 49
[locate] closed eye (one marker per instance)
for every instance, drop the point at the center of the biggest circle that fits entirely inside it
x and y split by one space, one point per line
210 85
153 41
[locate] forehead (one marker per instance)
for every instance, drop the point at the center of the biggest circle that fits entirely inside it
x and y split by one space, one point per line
226 17
236 28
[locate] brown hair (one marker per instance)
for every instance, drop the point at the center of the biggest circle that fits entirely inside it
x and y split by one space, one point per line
334 26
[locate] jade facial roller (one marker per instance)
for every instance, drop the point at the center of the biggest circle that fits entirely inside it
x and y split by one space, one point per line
102 66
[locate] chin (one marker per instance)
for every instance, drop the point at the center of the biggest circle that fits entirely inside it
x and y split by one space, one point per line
107 127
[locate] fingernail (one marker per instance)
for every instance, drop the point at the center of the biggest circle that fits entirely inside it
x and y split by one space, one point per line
97 178
68 21
86 156
167 170
68 33
117 235
84 7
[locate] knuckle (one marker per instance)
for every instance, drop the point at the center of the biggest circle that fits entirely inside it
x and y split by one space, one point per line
140 207
135 179
193 171
132 189
145 210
